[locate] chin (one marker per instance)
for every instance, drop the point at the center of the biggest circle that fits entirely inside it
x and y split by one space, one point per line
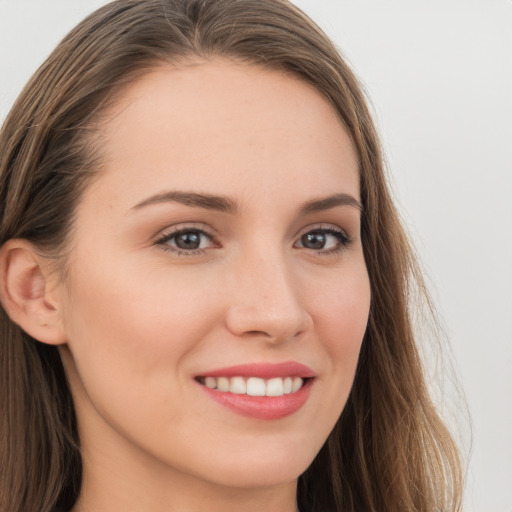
256 470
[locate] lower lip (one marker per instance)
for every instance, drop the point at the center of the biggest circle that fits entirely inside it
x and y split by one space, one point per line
262 407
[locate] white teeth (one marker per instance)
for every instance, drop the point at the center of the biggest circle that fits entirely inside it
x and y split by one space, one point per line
287 385
255 386
274 387
296 384
238 386
223 384
210 382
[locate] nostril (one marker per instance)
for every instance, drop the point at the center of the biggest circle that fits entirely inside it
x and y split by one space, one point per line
257 333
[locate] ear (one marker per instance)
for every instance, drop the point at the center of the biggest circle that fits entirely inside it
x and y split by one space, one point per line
28 292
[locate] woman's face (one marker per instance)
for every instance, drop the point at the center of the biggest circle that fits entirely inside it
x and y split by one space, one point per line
216 258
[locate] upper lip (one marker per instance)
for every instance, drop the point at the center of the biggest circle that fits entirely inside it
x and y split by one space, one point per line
263 370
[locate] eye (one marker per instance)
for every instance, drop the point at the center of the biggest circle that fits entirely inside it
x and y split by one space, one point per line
186 241
325 240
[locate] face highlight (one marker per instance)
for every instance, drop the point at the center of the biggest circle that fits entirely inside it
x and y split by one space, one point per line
219 294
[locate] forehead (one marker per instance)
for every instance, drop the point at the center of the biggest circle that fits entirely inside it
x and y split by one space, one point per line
206 124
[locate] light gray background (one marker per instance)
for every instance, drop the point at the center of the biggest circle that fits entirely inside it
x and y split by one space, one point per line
439 74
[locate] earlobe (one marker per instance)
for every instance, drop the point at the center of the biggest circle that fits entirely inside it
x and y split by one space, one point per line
25 295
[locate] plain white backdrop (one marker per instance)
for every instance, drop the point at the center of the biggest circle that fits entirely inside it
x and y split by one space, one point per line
439 74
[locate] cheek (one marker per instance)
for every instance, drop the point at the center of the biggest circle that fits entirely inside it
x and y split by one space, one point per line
134 332
140 306
130 336
342 316
132 342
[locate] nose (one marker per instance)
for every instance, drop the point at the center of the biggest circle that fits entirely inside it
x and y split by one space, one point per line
265 301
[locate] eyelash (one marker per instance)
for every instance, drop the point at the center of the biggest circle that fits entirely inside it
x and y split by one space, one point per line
342 238
167 237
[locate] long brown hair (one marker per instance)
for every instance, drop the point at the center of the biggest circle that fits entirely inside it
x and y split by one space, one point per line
389 451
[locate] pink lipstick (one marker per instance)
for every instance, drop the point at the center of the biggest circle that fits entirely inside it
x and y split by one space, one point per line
262 391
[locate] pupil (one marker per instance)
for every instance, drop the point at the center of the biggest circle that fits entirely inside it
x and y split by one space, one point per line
188 240
313 240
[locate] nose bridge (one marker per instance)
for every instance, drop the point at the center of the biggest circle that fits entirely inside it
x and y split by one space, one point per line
266 299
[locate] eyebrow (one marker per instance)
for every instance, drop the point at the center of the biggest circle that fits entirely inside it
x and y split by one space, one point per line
326 203
207 201
227 205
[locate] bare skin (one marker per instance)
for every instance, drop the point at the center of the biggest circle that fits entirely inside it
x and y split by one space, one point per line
165 288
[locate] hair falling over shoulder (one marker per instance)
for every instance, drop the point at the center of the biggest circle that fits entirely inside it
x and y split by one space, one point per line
389 451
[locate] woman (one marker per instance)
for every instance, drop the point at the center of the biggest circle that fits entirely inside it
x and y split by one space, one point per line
205 284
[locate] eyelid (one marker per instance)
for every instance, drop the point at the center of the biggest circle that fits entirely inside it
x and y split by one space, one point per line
168 233
332 229
161 239
322 226
183 226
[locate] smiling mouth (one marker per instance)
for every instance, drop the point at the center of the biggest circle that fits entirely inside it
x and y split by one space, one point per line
254 386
